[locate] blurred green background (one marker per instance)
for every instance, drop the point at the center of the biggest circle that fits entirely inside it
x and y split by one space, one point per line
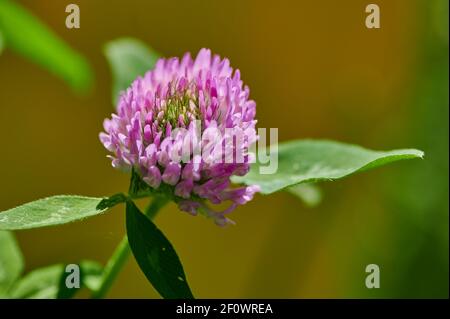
315 71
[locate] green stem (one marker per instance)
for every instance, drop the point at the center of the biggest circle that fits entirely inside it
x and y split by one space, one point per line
122 252
155 206
113 267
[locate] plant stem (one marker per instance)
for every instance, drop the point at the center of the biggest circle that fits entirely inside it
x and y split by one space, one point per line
122 252
155 206
113 267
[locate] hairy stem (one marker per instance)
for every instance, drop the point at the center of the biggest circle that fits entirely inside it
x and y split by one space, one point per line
122 252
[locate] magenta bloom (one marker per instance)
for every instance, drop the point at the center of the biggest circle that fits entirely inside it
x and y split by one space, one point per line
188 125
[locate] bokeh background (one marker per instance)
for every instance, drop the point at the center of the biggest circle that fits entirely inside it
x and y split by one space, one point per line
315 71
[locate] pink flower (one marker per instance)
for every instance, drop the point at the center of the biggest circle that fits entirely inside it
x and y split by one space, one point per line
189 124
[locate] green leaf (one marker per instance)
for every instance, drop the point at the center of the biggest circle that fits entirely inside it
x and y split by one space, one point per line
41 283
128 59
49 282
155 255
112 201
303 161
11 262
310 194
49 211
28 36
91 272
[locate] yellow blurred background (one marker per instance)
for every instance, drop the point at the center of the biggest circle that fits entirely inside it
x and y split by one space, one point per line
314 70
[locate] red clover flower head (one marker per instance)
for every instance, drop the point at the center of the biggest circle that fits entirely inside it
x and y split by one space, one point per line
186 127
